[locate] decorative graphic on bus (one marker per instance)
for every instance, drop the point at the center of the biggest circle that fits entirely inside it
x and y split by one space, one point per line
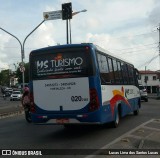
117 96
58 57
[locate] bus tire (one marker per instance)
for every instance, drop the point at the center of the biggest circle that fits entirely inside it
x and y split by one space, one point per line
115 123
146 100
136 112
28 117
68 126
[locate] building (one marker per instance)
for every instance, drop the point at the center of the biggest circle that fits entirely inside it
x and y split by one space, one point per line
150 79
13 81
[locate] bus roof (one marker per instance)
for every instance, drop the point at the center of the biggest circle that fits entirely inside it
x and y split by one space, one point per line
82 44
111 54
62 46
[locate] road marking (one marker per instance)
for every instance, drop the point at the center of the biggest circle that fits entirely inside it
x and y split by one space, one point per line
120 138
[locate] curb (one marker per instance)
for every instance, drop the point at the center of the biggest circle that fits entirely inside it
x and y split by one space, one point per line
154 97
157 98
11 114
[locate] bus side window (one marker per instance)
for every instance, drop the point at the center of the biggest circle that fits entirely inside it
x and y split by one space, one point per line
120 72
125 73
103 66
116 72
111 72
131 75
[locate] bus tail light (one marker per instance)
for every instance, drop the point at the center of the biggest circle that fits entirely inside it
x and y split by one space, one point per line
32 106
94 102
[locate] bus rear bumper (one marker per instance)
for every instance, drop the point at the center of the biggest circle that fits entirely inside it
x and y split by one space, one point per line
66 119
70 122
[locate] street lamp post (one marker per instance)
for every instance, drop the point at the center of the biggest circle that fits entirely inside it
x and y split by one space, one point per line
74 13
29 35
21 50
84 10
22 46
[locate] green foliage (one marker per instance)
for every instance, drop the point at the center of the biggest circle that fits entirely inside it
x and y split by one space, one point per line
5 75
26 74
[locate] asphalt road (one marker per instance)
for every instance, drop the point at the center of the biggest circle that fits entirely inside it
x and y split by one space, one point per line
7 102
15 133
7 106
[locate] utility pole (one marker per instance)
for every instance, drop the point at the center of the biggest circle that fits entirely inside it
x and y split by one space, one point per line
67 15
145 77
67 31
158 88
159 44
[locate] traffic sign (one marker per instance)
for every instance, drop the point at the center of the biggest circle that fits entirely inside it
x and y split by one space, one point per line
54 15
22 69
21 64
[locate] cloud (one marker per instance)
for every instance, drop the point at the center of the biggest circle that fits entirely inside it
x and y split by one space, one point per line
99 39
154 15
114 25
3 45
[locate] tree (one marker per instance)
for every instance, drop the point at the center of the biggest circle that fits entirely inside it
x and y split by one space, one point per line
4 78
5 75
26 74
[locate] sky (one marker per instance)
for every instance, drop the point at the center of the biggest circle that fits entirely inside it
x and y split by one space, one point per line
126 28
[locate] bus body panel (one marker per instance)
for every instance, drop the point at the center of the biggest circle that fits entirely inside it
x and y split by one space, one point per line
79 115
113 95
61 94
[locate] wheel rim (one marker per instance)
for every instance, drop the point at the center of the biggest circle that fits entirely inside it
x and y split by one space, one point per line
117 118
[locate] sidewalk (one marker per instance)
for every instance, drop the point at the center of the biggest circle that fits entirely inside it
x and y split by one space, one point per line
11 111
143 138
153 96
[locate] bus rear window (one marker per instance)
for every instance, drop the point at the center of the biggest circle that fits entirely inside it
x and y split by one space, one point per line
56 63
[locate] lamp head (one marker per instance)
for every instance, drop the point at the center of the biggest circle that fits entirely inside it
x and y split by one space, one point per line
84 10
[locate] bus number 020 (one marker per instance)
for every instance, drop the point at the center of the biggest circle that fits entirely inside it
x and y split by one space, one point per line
78 98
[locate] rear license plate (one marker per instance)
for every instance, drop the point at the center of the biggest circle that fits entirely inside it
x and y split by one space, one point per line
62 120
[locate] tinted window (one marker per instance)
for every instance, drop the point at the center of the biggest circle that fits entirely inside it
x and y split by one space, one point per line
61 62
124 72
116 73
103 67
120 72
111 72
16 93
131 74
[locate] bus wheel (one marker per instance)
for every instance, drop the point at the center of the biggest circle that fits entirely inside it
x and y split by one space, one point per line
136 112
68 126
115 123
28 117
146 100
